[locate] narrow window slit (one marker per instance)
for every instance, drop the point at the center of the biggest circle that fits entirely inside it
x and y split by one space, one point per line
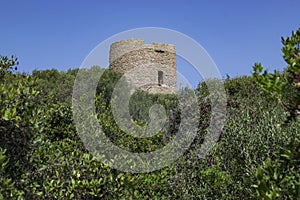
160 78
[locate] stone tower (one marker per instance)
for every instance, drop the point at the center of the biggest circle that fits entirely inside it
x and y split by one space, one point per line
149 67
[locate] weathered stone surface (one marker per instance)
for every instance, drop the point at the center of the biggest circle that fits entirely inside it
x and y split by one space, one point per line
149 67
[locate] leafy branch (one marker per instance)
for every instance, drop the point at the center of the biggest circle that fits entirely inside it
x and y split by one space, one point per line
284 87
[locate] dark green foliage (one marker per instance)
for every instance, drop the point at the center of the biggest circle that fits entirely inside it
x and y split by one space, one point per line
58 85
7 186
278 178
43 157
56 164
141 102
140 115
7 65
58 123
106 86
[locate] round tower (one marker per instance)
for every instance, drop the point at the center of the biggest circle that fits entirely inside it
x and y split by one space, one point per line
150 67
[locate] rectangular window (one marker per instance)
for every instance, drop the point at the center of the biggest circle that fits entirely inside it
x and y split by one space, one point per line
159 51
160 78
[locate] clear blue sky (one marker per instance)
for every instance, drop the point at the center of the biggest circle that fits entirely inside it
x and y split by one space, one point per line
60 34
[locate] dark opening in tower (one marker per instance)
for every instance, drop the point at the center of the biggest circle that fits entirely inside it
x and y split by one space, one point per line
159 51
160 78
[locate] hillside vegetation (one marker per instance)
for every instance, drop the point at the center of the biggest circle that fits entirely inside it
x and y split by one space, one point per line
257 155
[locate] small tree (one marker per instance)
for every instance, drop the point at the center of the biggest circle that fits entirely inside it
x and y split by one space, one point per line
7 64
284 87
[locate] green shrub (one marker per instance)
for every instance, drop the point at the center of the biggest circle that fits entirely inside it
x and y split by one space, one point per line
279 178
